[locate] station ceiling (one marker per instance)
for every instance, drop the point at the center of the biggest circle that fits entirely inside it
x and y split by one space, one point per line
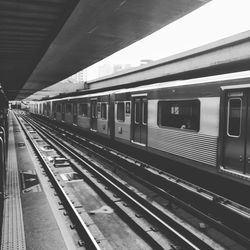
45 41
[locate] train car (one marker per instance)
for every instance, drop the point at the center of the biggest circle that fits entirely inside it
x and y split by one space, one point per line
175 120
201 122
3 143
89 112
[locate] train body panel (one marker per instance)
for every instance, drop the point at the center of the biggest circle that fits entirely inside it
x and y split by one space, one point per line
210 116
181 142
202 122
102 126
84 122
68 118
59 116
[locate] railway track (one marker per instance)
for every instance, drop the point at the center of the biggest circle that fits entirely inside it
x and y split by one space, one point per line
81 227
173 184
223 213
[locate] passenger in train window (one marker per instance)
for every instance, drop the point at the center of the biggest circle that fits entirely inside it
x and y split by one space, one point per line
187 125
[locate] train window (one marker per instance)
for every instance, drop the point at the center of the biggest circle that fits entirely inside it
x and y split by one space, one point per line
53 107
145 112
120 112
234 117
179 114
127 107
94 109
137 112
48 108
104 111
98 107
44 108
83 109
54 110
68 108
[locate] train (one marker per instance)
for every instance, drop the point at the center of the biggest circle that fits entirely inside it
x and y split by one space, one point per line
3 147
3 134
202 122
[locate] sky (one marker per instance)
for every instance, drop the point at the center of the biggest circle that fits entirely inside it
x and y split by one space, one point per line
213 21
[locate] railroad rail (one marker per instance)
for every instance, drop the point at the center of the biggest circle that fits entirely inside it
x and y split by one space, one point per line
81 227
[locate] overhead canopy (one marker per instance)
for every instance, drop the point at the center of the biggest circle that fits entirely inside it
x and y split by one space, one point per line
3 99
45 41
26 30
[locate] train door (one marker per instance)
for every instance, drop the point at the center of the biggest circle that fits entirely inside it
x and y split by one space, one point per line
140 120
93 110
74 113
236 152
63 112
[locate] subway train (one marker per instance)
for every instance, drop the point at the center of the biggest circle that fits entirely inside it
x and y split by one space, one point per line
3 146
3 132
202 122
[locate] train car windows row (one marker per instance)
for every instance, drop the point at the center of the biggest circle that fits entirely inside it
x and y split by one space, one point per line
120 112
83 109
104 111
234 117
179 114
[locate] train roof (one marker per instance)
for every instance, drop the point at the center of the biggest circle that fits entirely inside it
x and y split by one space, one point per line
80 96
177 83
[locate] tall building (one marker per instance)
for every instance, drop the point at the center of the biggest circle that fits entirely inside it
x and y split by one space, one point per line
105 69
80 76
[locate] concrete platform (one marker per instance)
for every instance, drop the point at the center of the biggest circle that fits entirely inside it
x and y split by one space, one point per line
28 219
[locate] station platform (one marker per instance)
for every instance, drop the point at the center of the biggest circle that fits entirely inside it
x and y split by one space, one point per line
29 218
